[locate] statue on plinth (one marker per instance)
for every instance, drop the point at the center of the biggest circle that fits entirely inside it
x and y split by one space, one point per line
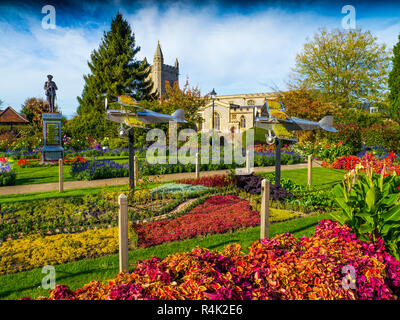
50 87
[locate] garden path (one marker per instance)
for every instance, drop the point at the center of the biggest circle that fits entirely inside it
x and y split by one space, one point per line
44 187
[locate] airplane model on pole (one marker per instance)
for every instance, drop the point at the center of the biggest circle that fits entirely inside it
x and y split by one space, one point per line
282 127
137 118
141 116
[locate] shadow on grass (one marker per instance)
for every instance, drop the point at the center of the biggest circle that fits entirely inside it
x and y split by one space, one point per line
66 275
223 243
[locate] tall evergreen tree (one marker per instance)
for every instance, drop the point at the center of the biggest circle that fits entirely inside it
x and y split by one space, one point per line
394 84
114 70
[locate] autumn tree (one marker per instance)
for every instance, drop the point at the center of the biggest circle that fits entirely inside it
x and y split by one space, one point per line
305 104
345 67
394 84
188 99
33 108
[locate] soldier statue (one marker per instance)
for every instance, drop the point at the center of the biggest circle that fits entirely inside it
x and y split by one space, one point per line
50 87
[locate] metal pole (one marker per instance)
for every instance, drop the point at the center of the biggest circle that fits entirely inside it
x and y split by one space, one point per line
212 116
309 167
135 170
131 160
278 147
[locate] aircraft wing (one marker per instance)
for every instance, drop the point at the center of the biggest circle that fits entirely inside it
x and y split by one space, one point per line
129 118
282 132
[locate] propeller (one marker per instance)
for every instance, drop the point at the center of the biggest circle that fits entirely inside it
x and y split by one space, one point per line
269 138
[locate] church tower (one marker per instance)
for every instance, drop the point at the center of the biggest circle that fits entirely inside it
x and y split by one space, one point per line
160 72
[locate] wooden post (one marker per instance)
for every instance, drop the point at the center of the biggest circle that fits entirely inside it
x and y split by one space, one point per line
123 233
309 166
135 171
197 165
264 226
60 176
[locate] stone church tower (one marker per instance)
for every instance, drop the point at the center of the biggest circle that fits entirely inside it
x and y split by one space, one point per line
161 72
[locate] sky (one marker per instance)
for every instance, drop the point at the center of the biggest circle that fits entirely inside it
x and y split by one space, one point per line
233 46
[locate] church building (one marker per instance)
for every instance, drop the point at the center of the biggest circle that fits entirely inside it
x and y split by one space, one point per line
234 113
160 72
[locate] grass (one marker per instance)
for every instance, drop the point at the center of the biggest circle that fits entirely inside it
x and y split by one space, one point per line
320 176
50 174
69 193
76 274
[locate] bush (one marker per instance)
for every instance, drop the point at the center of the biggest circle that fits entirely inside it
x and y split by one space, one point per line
386 136
350 134
6 140
252 184
283 268
98 169
7 174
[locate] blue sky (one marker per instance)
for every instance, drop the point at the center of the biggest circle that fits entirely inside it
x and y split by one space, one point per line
232 46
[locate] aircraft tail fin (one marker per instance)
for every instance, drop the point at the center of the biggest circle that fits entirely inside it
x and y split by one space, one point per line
326 123
179 115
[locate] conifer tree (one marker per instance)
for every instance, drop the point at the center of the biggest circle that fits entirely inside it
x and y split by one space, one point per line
394 84
114 70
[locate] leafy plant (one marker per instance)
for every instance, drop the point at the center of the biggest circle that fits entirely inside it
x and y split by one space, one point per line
370 205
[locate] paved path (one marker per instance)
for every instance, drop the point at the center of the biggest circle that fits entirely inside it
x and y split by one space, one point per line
43 187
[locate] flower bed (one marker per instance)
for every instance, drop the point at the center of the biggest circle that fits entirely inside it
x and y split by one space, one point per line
173 188
7 174
98 169
279 268
218 214
214 181
252 184
368 160
36 251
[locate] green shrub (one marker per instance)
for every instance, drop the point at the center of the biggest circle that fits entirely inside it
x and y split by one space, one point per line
370 205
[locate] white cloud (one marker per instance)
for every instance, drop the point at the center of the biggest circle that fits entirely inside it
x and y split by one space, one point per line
233 53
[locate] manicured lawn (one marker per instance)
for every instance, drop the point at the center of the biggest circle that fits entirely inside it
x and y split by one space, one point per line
320 176
50 174
76 274
69 193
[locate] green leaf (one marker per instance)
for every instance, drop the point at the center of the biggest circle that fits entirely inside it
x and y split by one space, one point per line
370 198
392 215
366 228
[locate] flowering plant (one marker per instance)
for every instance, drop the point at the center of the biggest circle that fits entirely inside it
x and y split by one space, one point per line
7 174
283 268
370 205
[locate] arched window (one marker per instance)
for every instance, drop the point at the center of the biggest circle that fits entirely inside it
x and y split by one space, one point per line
217 121
242 122
250 102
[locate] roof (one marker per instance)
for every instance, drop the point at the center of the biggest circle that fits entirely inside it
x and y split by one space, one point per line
231 105
9 115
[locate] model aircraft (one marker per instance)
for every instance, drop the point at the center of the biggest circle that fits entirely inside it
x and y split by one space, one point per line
281 126
139 117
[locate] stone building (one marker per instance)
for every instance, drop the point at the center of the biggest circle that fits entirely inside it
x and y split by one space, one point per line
233 113
160 72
